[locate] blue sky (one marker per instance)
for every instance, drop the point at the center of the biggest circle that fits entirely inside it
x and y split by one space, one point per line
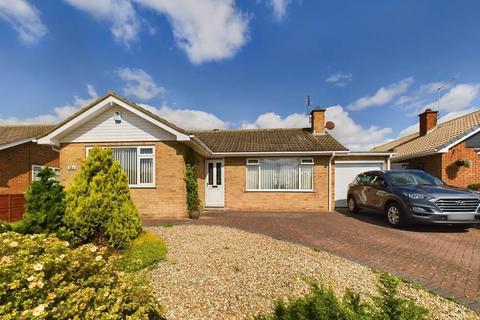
231 64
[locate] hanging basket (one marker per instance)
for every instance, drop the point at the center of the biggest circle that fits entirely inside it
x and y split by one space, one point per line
463 163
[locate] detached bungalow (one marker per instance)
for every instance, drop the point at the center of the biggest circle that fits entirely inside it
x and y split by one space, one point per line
247 170
448 151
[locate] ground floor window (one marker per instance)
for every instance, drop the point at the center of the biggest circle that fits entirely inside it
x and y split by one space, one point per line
280 174
37 168
138 163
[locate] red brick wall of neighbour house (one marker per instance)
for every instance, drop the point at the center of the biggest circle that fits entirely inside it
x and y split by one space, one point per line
167 198
237 198
16 165
431 164
460 177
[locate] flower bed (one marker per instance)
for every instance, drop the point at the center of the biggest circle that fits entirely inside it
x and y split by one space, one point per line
42 276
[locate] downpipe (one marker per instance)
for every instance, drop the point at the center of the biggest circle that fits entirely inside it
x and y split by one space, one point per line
330 181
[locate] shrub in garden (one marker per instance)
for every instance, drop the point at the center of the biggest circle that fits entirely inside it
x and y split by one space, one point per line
45 204
474 186
41 277
193 200
142 252
98 204
322 304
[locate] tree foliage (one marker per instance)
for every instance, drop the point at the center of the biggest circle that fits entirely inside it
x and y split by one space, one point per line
45 204
98 203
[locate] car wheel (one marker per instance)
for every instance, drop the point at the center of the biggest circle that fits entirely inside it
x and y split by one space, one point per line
395 215
352 205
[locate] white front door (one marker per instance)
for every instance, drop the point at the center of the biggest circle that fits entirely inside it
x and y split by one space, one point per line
214 183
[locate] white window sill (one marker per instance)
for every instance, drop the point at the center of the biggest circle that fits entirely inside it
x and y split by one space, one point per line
142 187
280 190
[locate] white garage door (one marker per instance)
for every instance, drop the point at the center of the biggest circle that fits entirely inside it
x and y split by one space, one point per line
345 172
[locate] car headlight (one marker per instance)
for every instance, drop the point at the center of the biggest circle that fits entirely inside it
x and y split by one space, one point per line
417 196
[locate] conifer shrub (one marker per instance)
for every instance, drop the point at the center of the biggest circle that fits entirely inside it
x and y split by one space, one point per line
322 304
98 204
45 205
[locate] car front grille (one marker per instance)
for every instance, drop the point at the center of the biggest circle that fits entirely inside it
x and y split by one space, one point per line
458 205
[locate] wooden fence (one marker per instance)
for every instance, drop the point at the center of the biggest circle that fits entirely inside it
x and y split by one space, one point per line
12 207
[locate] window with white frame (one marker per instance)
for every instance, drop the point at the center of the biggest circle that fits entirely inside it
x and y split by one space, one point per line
138 163
36 169
280 174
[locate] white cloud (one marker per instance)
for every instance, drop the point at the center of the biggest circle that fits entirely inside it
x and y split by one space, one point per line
139 84
24 18
349 133
189 119
207 30
339 79
120 14
382 96
279 8
459 97
59 114
273 120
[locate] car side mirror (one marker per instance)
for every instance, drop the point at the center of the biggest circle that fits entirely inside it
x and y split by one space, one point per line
383 185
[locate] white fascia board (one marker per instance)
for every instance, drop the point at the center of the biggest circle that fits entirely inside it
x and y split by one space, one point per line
418 155
51 138
366 154
445 149
16 143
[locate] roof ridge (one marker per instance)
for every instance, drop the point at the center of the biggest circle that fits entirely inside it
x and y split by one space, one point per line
462 116
247 129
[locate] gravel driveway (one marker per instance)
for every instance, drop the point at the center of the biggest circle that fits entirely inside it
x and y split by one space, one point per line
214 272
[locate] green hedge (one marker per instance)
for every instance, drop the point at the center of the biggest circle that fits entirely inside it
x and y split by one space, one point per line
42 277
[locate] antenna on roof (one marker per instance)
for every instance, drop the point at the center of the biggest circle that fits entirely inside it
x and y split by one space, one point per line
440 89
308 103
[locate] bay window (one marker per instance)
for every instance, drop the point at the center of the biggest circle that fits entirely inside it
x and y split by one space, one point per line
138 163
280 174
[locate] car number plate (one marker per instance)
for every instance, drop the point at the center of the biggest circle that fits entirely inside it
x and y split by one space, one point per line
460 217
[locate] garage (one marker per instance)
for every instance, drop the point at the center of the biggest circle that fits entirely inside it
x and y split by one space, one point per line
346 171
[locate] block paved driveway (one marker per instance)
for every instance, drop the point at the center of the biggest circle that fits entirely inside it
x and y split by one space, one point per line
445 260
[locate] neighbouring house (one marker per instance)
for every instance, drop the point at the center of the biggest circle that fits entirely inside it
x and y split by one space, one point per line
449 151
248 170
20 160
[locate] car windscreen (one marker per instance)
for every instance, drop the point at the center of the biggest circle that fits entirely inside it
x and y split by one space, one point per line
412 178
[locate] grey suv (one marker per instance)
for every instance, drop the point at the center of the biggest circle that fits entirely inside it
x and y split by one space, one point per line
413 196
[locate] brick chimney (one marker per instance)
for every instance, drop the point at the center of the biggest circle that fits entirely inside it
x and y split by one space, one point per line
317 119
427 121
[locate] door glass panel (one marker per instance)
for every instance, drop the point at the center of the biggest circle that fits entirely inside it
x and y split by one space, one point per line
219 174
210 173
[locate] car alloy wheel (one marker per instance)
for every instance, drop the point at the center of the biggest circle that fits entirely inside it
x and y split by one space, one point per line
393 215
351 205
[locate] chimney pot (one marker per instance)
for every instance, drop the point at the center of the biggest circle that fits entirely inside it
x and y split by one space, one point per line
317 117
427 121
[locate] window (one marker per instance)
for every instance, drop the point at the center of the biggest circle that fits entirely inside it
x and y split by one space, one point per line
138 164
280 174
36 169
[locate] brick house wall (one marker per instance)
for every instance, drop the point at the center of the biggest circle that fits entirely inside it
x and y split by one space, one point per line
460 177
167 198
16 165
443 166
238 199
